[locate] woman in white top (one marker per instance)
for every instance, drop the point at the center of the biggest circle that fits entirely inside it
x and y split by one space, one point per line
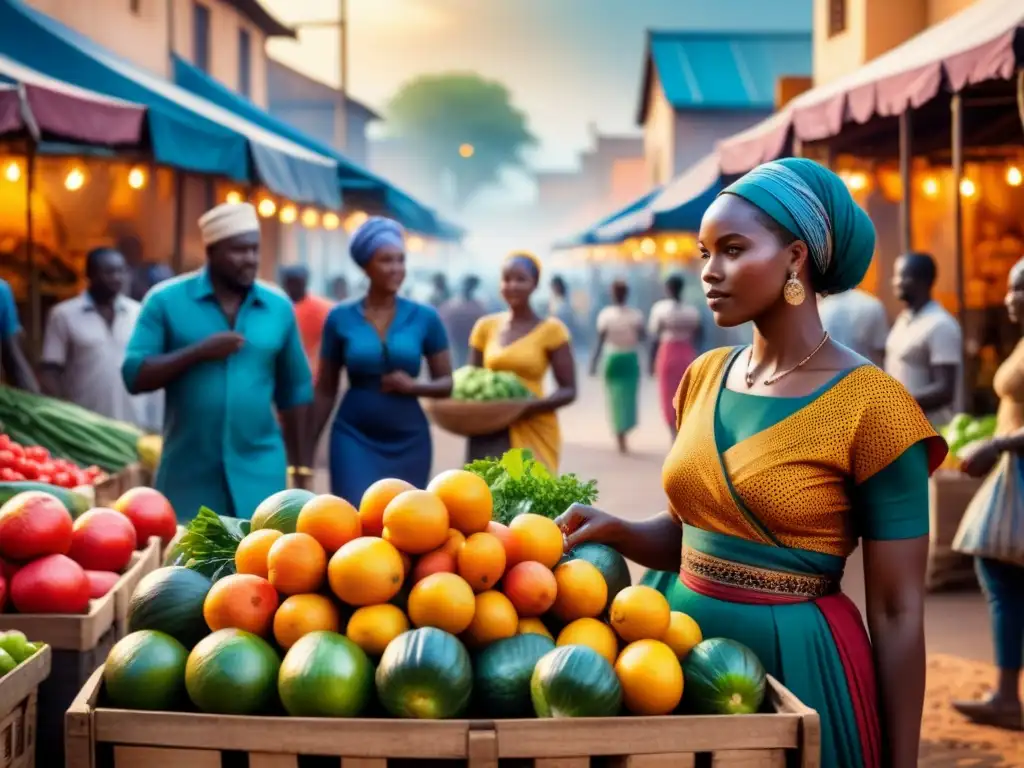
674 328
621 329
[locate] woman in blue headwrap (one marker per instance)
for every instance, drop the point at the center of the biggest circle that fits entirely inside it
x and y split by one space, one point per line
788 452
381 339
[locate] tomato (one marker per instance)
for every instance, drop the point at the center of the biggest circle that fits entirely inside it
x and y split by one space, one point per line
27 469
7 459
37 453
16 449
44 479
64 480
5 440
7 474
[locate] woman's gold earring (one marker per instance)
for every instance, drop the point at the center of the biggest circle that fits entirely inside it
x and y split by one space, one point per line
794 292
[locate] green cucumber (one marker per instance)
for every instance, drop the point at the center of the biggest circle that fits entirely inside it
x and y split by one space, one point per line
75 503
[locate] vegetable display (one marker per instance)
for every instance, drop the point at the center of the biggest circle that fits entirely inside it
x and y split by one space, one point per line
417 604
67 431
520 484
482 384
20 463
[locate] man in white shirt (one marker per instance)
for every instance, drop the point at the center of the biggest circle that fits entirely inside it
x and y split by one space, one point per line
924 351
86 339
857 320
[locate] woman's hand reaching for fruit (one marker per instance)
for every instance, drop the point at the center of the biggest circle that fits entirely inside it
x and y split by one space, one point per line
581 523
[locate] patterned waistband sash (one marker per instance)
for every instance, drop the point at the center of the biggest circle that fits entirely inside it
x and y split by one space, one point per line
751 578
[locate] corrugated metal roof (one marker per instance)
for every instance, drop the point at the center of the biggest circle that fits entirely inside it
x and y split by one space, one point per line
723 70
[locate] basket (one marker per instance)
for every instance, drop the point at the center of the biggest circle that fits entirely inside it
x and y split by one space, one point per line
473 418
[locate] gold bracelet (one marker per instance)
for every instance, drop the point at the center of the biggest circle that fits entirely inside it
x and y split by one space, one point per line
301 471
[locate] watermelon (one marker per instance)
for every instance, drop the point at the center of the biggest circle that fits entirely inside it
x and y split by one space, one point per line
610 563
426 674
146 670
723 677
232 672
171 600
325 675
501 685
280 511
575 681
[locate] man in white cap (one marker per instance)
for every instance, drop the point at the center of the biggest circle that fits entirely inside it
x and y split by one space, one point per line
226 349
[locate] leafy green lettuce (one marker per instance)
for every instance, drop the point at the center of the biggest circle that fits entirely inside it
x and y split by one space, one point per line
209 543
520 484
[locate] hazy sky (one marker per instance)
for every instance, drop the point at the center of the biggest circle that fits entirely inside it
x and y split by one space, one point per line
567 62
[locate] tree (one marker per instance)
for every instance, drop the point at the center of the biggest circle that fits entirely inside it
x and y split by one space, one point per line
462 125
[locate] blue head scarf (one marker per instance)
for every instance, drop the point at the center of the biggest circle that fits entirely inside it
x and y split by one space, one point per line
813 203
527 261
375 233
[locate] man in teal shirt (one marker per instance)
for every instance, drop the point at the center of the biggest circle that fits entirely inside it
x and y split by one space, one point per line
226 349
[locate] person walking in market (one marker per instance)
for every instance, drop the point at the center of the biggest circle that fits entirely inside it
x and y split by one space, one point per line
858 321
521 342
789 452
924 351
992 529
310 311
620 329
13 364
86 340
459 315
381 340
226 350
674 328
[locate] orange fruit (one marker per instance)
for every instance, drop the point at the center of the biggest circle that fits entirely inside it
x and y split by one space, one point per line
593 634
416 522
241 601
406 562
301 614
504 535
251 555
482 561
372 627
466 497
532 627
366 571
296 564
438 561
454 542
331 521
640 613
537 538
442 600
651 678
531 587
582 591
375 499
494 619
683 633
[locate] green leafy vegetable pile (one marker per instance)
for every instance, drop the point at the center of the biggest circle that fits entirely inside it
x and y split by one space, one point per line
208 545
482 384
519 484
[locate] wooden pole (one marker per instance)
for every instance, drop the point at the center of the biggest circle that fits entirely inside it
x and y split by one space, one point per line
957 133
35 299
906 158
341 119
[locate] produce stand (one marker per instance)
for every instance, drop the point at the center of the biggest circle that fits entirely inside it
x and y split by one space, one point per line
950 492
97 737
80 644
110 489
19 701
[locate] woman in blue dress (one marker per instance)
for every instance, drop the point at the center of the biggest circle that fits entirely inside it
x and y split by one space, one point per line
381 339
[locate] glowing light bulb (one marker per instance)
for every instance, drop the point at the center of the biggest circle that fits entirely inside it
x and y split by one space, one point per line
671 247
356 220
648 246
310 218
233 197
466 151
137 178
289 214
266 208
857 181
1013 176
12 172
968 188
414 244
331 221
75 180
930 187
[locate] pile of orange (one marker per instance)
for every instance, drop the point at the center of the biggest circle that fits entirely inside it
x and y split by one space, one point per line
434 557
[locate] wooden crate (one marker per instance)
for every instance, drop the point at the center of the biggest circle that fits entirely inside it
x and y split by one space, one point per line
19 698
109 490
83 632
949 494
97 737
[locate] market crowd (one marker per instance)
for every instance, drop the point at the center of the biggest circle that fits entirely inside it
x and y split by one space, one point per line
787 453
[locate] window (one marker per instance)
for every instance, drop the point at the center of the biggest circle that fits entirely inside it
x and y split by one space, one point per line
201 36
836 17
135 6
244 63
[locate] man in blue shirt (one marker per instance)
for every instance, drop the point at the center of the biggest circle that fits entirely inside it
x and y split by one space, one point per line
12 358
226 350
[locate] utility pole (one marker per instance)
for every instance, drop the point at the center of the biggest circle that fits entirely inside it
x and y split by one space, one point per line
341 108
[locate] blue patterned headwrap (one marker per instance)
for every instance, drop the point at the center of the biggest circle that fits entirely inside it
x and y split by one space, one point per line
813 203
375 233
527 261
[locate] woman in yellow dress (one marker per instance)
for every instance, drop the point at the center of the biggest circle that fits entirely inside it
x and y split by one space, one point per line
521 342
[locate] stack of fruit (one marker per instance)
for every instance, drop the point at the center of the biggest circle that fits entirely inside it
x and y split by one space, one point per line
336 611
52 563
15 649
33 462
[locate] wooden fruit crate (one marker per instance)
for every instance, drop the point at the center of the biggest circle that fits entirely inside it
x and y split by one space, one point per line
949 494
19 699
109 490
98 737
83 632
